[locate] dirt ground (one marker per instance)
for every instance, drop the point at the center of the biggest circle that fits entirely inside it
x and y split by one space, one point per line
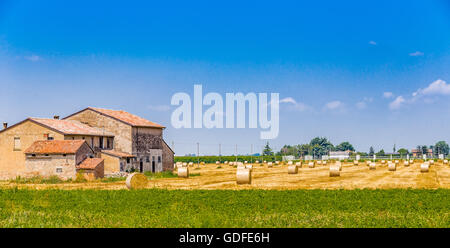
352 177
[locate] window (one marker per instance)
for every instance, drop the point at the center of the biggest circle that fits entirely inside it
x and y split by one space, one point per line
121 166
108 143
50 138
101 142
59 170
16 143
147 159
159 159
128 160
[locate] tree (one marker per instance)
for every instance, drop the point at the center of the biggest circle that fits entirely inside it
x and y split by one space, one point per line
403 151
381 153
441 147
371 151
320 146
267 150
345 146
303 149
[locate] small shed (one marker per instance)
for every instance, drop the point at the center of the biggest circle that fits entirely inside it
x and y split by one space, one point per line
92 168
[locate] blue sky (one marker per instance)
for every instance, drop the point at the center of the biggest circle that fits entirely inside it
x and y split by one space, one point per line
347 70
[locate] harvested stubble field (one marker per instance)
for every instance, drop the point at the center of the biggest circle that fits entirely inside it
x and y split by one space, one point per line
224 177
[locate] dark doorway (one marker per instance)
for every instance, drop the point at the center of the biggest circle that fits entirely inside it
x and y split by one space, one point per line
153 166
141 166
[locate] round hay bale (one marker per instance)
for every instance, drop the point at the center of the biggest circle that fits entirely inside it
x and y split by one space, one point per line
431 162
217 162
226 162
202 163
445 161
383 161
245 162
136 181
257 162
243 176
184 164
277 162
292 169
298 164
411 161
392 167
269 164
425 167
265 161
324 162
373 166
191 164
290 163
396 161
406 163
249 166
367 162
183 172
319 162
311 165
355 162
335 171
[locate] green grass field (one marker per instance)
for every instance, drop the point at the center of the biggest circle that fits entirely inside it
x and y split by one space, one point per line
221 208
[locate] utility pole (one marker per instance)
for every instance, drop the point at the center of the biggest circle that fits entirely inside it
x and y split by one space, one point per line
251 153
235 151
198 154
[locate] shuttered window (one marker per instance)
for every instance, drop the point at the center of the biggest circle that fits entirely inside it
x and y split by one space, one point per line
16 143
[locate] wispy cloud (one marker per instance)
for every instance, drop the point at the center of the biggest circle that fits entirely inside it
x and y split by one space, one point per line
334 105
397 103
159 108
298 106
363 104
33 58
373 43
426 95
416 54
388 95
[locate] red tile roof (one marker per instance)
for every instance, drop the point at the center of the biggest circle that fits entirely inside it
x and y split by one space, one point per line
127 118
90 163
71 127
118 154
55 147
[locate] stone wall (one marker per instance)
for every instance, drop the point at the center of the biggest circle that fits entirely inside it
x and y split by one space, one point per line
121 131
51 165
167 158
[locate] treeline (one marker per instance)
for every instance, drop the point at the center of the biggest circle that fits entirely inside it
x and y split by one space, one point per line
213 159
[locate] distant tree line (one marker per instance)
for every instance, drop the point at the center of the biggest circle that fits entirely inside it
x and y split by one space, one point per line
320 146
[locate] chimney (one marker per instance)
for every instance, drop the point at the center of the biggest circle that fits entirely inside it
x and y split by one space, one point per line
56 117
5 125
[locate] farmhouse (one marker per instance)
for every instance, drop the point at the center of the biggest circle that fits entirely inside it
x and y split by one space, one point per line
118 140
138 143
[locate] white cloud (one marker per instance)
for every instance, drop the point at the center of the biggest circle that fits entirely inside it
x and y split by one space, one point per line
296 105
416 54
373 43
33 58
333 105
159 108
388 95
397 103
438 87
